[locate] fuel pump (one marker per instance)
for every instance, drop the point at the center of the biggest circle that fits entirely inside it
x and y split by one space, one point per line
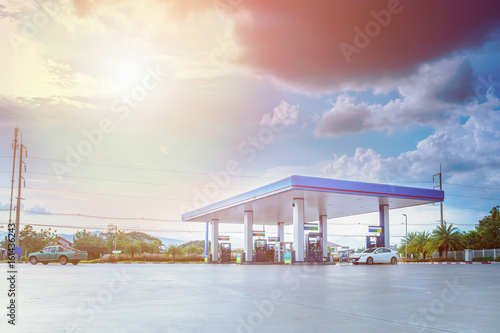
373 241
270 252
225 252
260 246
314 247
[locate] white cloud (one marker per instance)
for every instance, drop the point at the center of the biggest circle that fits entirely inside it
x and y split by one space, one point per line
346 117
284 113
469 152
428 97
365 165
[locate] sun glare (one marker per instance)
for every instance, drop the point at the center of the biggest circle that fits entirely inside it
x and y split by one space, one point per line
125 73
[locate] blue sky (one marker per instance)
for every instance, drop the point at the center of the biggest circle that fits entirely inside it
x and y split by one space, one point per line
127 109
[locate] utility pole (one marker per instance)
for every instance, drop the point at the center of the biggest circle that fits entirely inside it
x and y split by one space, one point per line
18 207
14 146
441 188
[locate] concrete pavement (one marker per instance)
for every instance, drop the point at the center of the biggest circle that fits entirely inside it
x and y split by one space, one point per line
230 298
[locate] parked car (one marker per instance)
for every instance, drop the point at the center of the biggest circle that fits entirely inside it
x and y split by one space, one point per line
57 253
375 255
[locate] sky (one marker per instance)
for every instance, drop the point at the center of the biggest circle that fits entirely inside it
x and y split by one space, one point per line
134 112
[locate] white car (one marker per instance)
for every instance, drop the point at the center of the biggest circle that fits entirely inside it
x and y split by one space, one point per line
375 255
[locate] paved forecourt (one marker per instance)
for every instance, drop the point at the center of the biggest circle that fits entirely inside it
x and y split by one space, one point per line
229 298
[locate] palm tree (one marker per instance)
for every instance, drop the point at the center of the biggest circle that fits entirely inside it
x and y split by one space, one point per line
421 241
445 238
410 239
174 250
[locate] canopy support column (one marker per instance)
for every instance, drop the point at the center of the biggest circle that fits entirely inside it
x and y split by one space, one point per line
384 223
215 240
281 231
323 229
298 228
248 235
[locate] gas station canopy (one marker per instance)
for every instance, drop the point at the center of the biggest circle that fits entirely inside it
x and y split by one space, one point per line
322 196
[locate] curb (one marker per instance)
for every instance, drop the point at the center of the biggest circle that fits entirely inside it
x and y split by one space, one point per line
124 263
450 263
145 263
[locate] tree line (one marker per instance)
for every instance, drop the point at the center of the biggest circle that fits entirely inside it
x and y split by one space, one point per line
446 237
130 243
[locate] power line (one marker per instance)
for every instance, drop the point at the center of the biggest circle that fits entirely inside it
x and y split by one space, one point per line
147 169
103 228
478 209
470 197
106 194
97 216
131 182
474 186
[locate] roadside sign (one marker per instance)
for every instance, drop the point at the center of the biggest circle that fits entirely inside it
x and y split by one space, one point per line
273 239
377 229
259 234
224 238
311 227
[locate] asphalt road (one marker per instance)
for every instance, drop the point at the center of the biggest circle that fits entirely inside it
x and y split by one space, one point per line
230 298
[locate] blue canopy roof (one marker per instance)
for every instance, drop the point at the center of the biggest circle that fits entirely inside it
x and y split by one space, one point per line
323 196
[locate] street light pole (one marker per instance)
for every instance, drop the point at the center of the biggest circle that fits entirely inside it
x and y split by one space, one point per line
406 238
116 235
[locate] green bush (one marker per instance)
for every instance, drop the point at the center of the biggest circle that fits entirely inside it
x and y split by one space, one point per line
93 261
